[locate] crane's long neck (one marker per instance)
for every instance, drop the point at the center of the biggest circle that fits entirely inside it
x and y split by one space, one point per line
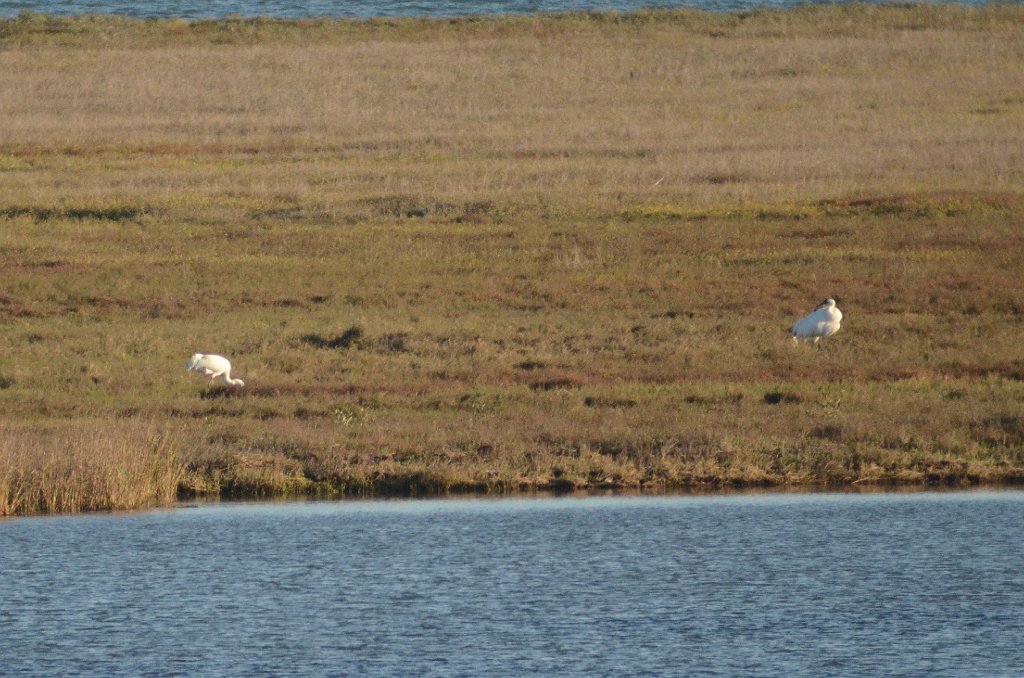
232 382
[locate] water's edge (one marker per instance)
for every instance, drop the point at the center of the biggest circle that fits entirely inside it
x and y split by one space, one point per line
738 490
368 9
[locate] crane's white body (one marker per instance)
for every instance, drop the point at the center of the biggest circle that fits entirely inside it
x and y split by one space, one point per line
824 322
213 366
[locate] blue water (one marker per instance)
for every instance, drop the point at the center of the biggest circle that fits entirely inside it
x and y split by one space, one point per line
787 585
195 9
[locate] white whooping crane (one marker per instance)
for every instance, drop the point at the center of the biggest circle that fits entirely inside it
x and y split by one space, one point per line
824 322
213 366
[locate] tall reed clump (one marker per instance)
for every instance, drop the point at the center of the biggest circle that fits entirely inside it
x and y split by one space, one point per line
87 468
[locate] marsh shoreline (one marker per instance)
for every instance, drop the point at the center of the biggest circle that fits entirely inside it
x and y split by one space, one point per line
540 252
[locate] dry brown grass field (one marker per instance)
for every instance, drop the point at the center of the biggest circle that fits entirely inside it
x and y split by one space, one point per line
548 252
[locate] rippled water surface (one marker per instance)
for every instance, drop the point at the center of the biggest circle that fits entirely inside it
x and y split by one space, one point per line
371 8
844 585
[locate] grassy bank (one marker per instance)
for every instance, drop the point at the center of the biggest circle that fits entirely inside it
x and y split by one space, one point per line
537 252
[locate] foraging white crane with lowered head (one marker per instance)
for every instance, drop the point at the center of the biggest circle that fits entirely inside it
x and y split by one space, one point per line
213 366
824 322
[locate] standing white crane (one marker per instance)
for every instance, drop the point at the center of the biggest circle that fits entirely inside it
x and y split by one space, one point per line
824 322
213 366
